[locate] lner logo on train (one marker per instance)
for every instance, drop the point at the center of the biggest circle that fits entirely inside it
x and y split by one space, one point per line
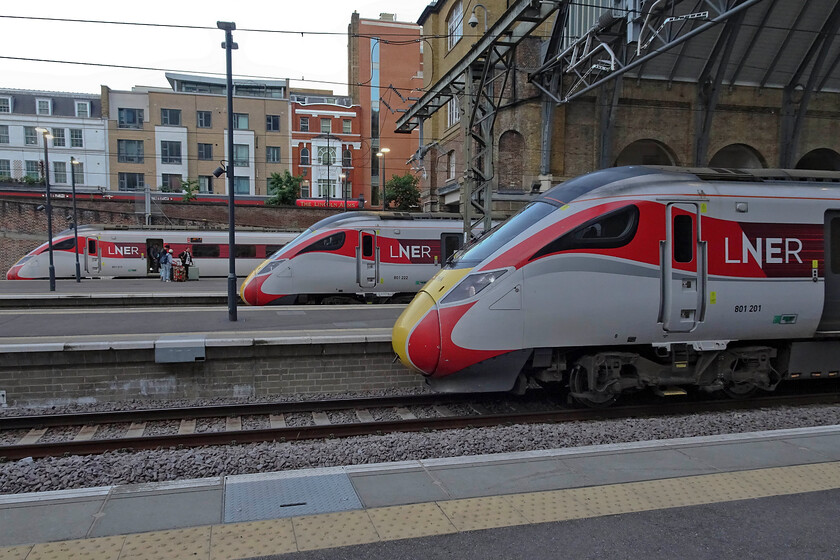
788 252
122 249
425 251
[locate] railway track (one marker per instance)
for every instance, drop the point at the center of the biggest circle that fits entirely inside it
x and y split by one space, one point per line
324 419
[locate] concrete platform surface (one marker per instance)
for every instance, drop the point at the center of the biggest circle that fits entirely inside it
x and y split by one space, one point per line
735 496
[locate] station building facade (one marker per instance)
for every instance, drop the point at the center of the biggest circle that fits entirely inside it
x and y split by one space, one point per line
76 130
655 120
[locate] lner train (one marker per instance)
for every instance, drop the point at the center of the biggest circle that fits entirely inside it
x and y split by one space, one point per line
113 251
357 256
641 277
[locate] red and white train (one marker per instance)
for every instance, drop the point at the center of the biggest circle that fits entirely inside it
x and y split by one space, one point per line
111 251
357 256
641 277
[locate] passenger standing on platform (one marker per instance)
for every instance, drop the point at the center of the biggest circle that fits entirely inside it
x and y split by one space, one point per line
186 262
165 265
155 253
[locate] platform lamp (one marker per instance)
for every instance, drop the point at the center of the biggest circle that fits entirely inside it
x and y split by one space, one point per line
381 154
73 164
46 135
229 45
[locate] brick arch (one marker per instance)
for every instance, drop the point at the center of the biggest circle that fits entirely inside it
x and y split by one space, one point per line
739 156
511 160
646 152
824 159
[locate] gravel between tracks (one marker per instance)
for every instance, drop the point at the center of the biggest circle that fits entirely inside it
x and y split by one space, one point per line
111 468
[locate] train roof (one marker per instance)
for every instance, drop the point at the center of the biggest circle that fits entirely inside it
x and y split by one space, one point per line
368 216
160 227
577 187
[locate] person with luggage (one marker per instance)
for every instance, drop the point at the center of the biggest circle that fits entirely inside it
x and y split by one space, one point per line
165 265
186 261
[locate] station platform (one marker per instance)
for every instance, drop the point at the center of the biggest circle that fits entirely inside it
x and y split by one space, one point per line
763 495
26 294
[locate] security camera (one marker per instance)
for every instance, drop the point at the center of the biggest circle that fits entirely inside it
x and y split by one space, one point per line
473 21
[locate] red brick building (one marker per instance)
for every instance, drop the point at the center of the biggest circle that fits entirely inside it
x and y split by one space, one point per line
385 70
327 146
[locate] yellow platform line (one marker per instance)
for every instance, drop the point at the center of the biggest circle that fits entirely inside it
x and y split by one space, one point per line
259 538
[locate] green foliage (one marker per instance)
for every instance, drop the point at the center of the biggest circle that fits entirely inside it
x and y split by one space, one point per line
32 180
283 189
403 192
189 188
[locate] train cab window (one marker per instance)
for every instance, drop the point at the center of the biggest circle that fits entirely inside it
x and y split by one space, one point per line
65 245
330 243
270 250
201 251
609 231
449 243
683 239
834 245
246 251
367 245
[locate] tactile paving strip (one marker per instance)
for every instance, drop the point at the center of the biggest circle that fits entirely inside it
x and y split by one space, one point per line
247 540
273 498
411 521
102 548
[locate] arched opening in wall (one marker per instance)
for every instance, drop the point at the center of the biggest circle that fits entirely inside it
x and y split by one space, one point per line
646 152
738 156
823 159
511 161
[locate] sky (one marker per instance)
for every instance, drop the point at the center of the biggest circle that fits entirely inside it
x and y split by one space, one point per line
309 60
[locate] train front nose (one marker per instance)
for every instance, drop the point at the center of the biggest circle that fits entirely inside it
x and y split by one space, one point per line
416 334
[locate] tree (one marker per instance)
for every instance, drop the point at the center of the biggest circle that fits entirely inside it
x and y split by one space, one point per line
283 189
403 191
189 188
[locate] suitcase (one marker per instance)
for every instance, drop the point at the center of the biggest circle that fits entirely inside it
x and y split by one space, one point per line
179 274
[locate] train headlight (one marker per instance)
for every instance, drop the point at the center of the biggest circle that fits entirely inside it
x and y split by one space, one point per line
269 266
472 284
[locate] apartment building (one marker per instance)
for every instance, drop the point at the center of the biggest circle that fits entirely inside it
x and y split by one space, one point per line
160 136
385 71
75 130
327 145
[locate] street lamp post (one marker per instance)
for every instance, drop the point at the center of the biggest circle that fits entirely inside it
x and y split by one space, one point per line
381 154
46 135
229 45
73 164
343 178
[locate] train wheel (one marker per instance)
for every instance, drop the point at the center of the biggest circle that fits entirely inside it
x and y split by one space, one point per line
579 384
739 391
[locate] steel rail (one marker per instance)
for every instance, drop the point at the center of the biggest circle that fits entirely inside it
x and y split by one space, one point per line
297 433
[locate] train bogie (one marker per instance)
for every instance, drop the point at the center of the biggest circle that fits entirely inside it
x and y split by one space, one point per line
636 278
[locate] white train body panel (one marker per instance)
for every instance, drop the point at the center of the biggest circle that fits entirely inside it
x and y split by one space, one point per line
125 253
357 254
629 258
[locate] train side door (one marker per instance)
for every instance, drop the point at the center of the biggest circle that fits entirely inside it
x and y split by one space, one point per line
367 259
93 258
683 263
830 320
153 249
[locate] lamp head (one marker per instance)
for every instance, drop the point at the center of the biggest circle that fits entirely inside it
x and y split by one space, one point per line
473 21
379 154
385 150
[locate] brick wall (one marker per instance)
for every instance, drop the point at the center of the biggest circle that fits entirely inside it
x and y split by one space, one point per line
53 378
23 227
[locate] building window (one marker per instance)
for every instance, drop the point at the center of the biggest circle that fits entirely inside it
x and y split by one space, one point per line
205 184
130 151
272 154
455 25
453 112
326 125
326 187
326 156
5 168
60 171
304 124
128 181
58 137
4 134
78 169
241 185
170 117
130 118
170 151
33 169
272 123
304 189
76 138
347 159
5 104
204 119
30 136
450 165
304 156
347 126
205 151
83 109
240 121
43 106
170 182
241 155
